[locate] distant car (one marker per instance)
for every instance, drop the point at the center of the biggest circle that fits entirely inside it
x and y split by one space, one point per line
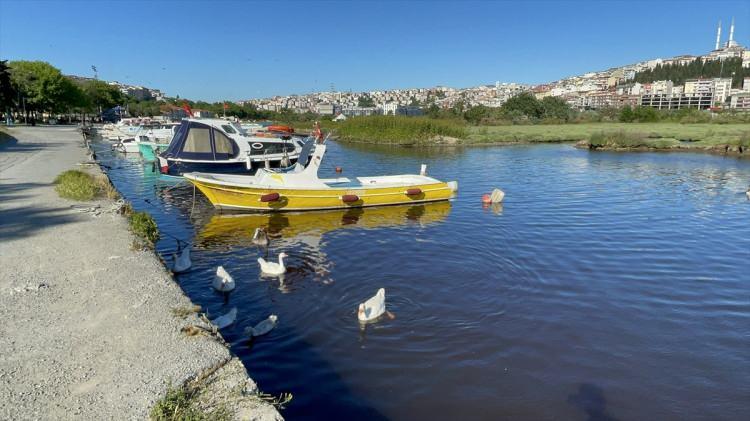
52 121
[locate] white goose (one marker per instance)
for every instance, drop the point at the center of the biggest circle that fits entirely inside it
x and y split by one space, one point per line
223 281
223 321
182 261
263 327
260 237
271 268
372 308
748 192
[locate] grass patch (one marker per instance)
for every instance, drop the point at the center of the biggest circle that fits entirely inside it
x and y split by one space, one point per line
178 404
80 185
399 129
623 139
76 185
144 227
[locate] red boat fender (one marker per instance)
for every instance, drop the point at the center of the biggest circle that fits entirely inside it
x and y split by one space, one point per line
339 170
163 166
270 197
486 199
349 198
413 192
285 129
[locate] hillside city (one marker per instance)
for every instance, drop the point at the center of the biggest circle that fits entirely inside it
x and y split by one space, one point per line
613 87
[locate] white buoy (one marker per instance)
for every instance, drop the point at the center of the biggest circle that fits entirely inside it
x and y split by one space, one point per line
263 327
497 196
226 320
271 268
372 308
223 281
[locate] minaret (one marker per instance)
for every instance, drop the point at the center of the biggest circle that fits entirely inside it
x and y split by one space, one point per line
730 43
718 36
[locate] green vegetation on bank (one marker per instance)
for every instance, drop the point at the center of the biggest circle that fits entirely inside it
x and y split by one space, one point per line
399 129
144 227
178 405
636 140
693 135
80 185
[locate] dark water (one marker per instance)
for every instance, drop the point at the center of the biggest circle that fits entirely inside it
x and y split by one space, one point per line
607 286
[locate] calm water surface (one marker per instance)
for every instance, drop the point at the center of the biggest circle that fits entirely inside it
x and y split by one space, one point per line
607 286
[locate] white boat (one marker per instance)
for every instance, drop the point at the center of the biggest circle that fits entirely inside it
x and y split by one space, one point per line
218 146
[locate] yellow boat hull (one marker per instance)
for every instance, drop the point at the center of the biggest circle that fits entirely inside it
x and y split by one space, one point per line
249 198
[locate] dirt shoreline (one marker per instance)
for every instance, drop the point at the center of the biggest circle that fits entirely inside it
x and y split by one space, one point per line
88 330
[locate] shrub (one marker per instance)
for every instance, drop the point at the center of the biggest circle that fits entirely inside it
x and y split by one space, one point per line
177 405
144 226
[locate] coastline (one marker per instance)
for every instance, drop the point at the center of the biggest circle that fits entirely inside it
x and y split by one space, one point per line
718 139
89 329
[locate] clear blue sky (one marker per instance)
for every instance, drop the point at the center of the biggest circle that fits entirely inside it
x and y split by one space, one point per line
217 50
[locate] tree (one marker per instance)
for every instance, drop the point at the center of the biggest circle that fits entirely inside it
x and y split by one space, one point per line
7 92
556 108
524 104
475 115
365 101
101 95
626 114
41 85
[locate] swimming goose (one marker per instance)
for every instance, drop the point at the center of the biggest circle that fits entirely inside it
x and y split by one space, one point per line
182 261
260 237
372 308
271 268
263 327
223 281
748 192
223 321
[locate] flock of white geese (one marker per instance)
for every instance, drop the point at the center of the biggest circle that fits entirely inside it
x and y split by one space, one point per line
368 311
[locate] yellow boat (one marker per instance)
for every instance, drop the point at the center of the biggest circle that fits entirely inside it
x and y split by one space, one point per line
300 189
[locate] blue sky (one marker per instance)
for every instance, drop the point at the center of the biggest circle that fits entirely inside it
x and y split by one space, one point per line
231 50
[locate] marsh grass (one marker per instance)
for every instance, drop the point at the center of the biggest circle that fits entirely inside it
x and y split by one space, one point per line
144 227
179 404
694 135
399 129
623 139
82 186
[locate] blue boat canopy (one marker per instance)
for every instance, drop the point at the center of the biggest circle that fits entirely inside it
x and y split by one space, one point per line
198 141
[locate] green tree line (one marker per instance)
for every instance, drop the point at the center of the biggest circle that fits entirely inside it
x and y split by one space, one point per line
697 69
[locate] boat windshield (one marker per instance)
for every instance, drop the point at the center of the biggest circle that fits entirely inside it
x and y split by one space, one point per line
304 155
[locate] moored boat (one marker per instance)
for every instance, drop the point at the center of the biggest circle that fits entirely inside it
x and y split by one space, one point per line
300 188
220 146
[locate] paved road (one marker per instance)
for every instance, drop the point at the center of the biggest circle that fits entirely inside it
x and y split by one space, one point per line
87 330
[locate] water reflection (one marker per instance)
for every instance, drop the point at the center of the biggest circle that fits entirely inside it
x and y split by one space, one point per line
231 230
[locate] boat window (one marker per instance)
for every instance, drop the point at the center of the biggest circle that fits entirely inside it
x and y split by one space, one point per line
229 129
198 141
176 143
224 147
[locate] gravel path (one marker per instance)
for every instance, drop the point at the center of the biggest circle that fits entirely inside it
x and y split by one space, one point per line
87 330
